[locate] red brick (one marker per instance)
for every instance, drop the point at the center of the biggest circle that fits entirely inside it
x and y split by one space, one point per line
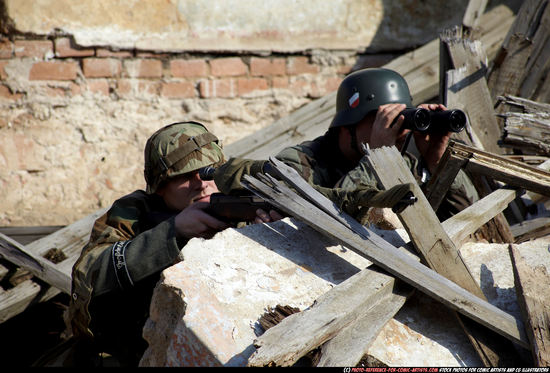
332 84
267 67
124 87
146 68
217 88
75 89
6 93
98 86
245 85
64 47
3 73
54 92
315 91
280 82
188 68
151 88
301 65
6 48
101 67
33 48
53 71
231 66
130 87
178 90
100 52
299 87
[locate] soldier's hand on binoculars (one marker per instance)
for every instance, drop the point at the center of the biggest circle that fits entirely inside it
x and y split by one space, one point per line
432 145
386 128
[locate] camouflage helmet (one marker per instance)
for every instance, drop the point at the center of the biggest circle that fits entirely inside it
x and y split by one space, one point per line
179 148
363 91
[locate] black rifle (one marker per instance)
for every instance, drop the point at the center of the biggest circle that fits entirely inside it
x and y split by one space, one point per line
233 208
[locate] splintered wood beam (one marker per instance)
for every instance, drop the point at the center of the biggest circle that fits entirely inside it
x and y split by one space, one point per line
65 244
318 325
384 255
438 250
38 266
351 343
420 221
473 12
533 296
443 177
521 66
465 87
502 168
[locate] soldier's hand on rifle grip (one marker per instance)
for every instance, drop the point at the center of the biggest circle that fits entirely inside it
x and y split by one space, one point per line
264 217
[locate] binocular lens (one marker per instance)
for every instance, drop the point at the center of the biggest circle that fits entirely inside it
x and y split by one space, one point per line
449 120
457 120
416 119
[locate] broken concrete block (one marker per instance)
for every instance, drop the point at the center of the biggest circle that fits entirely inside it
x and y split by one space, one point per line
205 309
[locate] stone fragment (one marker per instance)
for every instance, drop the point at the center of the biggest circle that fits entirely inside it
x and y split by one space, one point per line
205 309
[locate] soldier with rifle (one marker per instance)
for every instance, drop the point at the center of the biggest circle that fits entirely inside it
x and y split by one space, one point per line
138 237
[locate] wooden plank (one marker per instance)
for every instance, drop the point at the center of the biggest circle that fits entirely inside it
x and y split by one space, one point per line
25 235
352 342
458 226
443 177
420 221
473 13
503 169
531 229
391 259
523 59
527 131
479 213
69 240
420 68
331 312
38 266
437 249
534 299
16 300
466 89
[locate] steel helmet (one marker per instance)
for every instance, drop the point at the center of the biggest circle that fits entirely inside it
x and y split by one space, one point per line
363 91
179 148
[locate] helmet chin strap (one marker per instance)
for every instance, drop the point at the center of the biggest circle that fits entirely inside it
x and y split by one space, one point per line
353 140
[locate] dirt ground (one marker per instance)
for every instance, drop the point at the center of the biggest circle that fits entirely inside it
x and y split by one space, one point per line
27 336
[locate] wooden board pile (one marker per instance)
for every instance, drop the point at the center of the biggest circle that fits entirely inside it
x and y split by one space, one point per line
454 67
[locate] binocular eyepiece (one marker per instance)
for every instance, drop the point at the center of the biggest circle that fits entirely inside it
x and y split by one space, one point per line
419 119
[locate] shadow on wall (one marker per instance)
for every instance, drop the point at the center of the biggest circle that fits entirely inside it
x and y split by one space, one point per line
393 23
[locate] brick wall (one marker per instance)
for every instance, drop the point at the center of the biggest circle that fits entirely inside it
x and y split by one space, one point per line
169 75
74 121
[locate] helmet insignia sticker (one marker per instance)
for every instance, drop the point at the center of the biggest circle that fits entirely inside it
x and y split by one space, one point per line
354 100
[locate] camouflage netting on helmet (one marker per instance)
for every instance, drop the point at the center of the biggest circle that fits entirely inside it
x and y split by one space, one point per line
177 149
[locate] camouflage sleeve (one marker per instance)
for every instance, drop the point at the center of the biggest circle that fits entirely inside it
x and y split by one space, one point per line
118 255
303 161
229 175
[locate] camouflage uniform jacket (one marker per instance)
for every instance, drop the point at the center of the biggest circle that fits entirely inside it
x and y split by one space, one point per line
321 163
115 275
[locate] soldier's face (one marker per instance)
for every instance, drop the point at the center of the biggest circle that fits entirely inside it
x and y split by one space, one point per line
181 191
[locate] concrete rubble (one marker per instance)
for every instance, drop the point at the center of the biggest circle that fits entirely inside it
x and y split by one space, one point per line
205 309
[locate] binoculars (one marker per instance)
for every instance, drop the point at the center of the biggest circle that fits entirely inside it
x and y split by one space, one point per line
418 119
